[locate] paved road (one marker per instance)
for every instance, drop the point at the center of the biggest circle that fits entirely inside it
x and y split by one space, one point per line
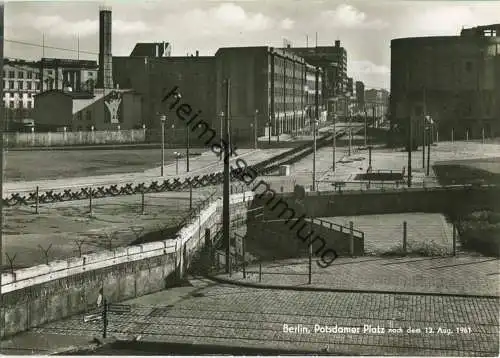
204 164
242 317
463 275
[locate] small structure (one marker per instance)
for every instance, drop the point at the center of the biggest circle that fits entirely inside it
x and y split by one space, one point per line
104 109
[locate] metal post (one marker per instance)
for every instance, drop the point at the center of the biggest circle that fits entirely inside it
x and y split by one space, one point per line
142 203
176 164
225 197
270 130
260 271
370 156
314 156
351 238
454 240
350 131
104 318
90 201
37 199
410 145
310 255
452 135
244 260
162 146
405 235
467 135
423 144
187 149
365 130
482 134
255 129
334 141
428 155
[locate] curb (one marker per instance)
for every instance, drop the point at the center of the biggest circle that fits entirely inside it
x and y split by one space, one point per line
325 289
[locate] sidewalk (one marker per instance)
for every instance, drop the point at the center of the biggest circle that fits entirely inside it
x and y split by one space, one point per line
206 163
468 276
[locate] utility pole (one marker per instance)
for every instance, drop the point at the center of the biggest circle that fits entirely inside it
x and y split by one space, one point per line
410 144
350 126
429 153
225 198
315 122
255 128
334 139
365 127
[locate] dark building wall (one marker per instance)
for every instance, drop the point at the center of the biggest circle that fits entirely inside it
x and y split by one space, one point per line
454 79
360 94
97 115
153 78
53 110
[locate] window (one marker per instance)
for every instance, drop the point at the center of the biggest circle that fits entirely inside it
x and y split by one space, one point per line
38 86
37 76
28 85
29 75
20 85
11 84
90 74
88 115
12 74
20 74
49 72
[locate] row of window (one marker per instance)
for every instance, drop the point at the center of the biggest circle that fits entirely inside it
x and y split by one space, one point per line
20 74
80 116
13 95
30 85
19 104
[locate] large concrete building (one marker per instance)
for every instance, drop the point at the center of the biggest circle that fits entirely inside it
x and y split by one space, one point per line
152 49
360 94
271 88
276 86
333 62
453 79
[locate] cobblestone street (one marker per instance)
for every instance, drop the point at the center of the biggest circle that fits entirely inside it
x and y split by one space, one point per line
245 317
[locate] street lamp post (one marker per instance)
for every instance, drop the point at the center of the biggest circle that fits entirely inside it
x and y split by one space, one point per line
365 128
221 115
314 123
269 127
334 149
255 127
163 119
429 150
177 155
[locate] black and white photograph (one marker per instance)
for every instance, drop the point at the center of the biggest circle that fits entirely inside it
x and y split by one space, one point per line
250 178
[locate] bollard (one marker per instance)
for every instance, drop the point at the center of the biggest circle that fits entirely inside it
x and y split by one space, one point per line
405 235
90 201
310 254
142 203
351 238
454 240
104 318
260 271
452 135
482 134
37 199
467 135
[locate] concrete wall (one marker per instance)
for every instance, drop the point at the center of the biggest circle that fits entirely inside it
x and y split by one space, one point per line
44 293
280 239
53 139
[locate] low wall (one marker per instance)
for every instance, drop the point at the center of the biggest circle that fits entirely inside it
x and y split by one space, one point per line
452 200
57 139
280 240
44 293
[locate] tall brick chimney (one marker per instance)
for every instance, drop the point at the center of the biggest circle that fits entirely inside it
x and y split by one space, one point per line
105 74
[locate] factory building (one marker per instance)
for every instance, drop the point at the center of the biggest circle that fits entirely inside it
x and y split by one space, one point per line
453 79
151 49
270 87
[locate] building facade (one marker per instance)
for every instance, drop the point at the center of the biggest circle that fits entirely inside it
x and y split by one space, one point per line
154 78
453 79
360 94
273 88
22 80
333 62
57 110
152 49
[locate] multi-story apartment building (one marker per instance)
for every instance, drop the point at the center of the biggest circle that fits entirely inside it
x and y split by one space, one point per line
360 94
22 80
333 62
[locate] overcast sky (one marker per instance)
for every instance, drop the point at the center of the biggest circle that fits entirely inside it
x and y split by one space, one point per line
364 28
